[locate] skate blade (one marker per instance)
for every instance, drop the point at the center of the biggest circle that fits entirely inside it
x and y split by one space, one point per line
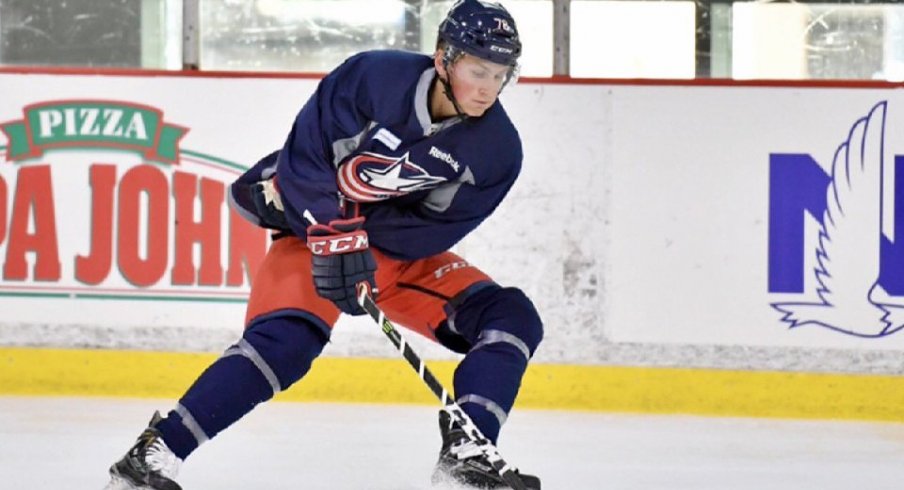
119 483
443 481
531 482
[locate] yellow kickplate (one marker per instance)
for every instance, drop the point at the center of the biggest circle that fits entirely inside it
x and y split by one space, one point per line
65 372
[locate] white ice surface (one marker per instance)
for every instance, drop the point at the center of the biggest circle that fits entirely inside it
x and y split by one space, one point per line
68 443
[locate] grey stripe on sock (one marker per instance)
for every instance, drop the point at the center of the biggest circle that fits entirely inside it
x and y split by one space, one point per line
494 336
188 420
450 322
245 349
486 403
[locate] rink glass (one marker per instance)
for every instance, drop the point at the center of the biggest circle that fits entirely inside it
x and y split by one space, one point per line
674 39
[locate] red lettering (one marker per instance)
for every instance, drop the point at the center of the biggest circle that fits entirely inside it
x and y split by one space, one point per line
94 268
148 181
3 195
205 232
338 244
341 244
247 248
34 199
316 246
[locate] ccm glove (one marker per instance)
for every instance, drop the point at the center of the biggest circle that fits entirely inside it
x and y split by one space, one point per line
341 260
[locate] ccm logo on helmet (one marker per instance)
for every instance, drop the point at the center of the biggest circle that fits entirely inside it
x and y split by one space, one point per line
349 242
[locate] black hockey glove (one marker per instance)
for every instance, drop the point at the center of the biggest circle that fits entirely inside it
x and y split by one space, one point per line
341 260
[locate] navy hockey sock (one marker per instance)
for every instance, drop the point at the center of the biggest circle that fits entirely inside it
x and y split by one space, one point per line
271 356
504 330
486 383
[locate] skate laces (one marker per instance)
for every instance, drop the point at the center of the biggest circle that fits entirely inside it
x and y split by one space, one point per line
457 443
466 449
160 458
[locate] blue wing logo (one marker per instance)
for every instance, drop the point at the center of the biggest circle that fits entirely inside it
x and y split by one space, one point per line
850 298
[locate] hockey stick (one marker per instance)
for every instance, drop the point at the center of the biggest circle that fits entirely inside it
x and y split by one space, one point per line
505 471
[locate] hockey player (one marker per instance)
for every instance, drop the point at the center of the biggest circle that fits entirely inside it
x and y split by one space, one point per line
394 159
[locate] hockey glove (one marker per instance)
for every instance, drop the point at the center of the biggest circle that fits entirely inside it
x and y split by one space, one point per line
341 260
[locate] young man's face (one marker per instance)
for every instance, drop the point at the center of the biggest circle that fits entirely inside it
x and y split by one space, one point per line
476 83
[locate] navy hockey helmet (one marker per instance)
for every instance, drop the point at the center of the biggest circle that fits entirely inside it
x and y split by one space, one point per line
482 29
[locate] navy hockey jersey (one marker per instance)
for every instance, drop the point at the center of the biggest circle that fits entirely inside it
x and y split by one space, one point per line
366 134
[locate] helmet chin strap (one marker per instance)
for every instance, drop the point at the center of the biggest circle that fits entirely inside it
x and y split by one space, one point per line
447 90
450 54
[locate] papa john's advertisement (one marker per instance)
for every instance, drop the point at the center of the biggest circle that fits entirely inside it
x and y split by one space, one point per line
113 207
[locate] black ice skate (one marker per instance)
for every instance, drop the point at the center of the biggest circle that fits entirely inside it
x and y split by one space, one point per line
461 461
149 465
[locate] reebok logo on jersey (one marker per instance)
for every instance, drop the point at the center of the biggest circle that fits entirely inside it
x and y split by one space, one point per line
441 155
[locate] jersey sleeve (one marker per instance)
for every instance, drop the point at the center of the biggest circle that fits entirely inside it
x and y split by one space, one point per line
306 174
436 223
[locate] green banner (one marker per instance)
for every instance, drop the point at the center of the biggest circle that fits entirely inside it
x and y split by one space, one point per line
93 123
